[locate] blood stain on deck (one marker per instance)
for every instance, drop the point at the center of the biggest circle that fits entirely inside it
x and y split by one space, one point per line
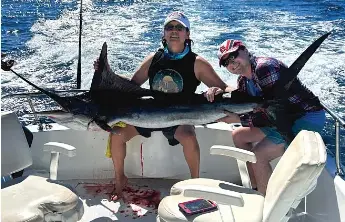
138 200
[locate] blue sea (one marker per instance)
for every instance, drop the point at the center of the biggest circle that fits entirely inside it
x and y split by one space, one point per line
42 36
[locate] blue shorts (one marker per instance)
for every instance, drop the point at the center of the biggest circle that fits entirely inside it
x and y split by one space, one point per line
312 121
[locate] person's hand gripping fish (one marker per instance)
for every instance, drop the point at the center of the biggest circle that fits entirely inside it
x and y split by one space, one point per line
230 116
212 92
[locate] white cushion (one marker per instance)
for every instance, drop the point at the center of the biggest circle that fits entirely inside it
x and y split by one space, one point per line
295 175
168 208
35 197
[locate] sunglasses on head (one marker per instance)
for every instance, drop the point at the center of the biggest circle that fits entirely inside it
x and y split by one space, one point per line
177 27
231 57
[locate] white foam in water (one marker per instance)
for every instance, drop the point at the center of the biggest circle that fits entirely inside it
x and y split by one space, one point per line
133 31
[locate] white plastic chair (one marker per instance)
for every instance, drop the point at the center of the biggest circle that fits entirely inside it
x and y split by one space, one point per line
294 177
33 198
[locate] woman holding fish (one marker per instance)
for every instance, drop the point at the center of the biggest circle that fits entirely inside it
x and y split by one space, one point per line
173 69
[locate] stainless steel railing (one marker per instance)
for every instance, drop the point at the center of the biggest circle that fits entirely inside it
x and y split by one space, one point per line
338 122
37 121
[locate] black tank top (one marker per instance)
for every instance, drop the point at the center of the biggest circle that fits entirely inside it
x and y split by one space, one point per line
173 76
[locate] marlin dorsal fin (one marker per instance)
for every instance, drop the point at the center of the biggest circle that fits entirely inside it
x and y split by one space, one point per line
105 80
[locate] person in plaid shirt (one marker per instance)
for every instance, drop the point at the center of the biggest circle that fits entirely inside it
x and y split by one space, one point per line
257 77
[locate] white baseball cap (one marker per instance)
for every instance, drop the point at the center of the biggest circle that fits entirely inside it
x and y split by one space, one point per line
178 17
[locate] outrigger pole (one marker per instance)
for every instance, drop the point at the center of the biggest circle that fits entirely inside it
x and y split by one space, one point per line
79 56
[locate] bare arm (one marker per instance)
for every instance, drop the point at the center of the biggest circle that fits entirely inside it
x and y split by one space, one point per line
206 74
142 74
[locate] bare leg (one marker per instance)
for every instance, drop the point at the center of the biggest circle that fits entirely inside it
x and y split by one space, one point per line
185 134
118 154
243 138
265 151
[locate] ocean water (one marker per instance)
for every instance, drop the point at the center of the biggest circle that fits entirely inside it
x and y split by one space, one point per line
42 36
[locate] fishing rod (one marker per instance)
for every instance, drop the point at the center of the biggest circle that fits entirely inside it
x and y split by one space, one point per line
79 55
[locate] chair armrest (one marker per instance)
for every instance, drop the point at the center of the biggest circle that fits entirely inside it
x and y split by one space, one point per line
215 194
63 148
242 156
239 154
55 149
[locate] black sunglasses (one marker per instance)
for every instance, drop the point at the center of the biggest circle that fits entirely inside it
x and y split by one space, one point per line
178 27
231 57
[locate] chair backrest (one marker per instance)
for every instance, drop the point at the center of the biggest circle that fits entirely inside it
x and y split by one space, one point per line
295 176
15 152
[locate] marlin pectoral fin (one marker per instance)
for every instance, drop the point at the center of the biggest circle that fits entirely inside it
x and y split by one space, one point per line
104 126
227 111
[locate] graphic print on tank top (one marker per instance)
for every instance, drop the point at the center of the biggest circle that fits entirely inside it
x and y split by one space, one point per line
168 81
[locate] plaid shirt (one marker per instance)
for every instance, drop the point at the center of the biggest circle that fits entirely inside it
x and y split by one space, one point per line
265 73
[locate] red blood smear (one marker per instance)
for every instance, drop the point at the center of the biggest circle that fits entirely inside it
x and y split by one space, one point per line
142 197
141 160
96 189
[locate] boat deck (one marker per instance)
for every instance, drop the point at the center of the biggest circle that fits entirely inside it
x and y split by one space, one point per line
140 199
